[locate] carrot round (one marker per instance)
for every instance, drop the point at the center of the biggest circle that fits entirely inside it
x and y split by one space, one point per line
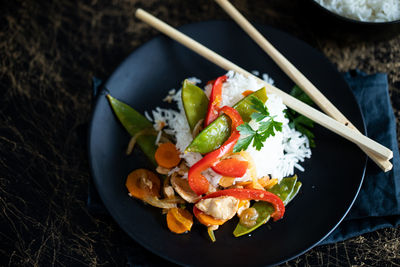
167 155
247 92
205 219
142 183
267 182
179 220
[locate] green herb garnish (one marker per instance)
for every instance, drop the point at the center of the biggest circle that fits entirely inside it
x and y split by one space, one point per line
266 127
298 121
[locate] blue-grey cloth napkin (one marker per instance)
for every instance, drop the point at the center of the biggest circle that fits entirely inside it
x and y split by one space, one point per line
378 203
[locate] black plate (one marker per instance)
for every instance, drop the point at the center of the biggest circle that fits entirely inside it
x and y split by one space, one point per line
330 184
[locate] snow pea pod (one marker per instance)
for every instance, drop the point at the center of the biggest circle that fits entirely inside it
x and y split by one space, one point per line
294 192
195 103
286 190
215 134
134 122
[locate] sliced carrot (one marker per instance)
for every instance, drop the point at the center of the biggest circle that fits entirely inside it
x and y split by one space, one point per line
254 185
167 155
205 219
264 181
173 224
183 216
247 92
179 221
243 202
267 182
245 183
142 183
226 181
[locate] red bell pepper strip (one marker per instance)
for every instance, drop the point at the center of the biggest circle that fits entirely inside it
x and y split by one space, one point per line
253 194
234 116
215 100
231 167
197 182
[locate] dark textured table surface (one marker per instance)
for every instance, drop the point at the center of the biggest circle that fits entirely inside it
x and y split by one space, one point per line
48 54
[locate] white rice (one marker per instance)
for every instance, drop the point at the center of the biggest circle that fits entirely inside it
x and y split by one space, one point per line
281 153
364 10
255 72
194 80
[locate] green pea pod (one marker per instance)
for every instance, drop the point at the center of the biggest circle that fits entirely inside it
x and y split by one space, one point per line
286 190
195 103
134 122
215 134
294 192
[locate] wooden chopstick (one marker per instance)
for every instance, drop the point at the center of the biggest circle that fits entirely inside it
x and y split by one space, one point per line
297 76
290 101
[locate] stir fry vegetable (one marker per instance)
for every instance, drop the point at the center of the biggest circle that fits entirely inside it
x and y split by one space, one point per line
254 200
179 220
142 183
215 100
167 155
134 123
215 134
194 102
286 191
231 167
197 181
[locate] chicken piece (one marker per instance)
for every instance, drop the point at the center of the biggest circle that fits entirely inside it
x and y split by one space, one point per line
183 169
221 208
183 189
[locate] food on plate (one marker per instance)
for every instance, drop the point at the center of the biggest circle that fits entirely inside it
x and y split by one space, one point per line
228 151
364 10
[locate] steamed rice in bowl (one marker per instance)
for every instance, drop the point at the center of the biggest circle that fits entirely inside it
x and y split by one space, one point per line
364 10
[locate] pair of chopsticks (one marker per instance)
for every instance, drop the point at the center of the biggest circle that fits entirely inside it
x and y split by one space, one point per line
339 125
297 77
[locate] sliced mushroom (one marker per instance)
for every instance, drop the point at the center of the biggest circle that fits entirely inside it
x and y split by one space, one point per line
183 189
183 168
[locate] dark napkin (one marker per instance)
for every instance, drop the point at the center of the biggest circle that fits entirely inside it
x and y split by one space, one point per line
378 203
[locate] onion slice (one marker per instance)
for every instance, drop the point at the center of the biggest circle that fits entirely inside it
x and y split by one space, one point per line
197 128
147 131
163 203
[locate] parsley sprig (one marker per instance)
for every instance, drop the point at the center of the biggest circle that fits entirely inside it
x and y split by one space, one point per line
266 127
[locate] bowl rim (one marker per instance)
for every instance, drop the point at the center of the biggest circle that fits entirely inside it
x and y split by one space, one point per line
359 22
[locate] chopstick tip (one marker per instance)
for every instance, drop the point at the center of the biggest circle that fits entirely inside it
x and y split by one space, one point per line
388 167
139 11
